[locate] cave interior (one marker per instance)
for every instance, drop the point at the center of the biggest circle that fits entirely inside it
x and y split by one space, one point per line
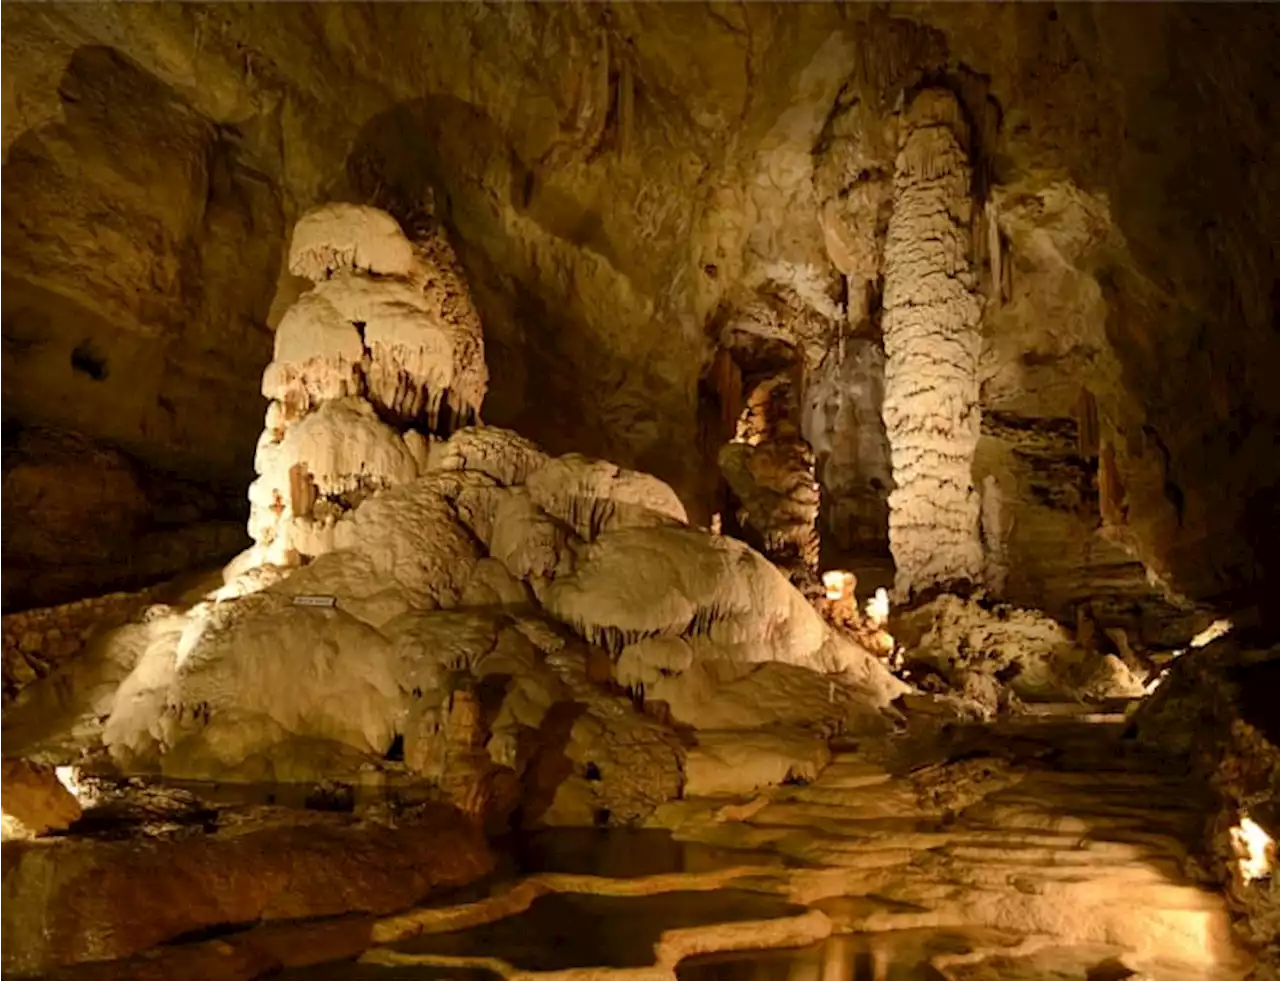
552 490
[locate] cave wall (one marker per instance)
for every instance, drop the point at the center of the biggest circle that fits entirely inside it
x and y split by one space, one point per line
843 422
615 176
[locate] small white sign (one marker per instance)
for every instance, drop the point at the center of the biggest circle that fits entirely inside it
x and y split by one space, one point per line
321 601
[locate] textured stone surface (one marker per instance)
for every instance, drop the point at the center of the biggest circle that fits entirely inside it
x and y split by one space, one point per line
82 518
34 801
87 900
634 180
931 341
35 642
1213 711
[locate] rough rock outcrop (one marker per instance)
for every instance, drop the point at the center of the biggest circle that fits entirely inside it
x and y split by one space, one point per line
261 867
769 469
1214 710
34 800
844 424
988 651
37 641
83 518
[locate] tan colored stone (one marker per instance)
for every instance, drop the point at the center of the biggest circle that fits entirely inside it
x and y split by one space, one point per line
34 802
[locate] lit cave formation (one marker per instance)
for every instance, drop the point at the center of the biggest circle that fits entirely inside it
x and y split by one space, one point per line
641 491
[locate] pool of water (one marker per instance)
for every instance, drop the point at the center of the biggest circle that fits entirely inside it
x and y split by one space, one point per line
571 930
839 959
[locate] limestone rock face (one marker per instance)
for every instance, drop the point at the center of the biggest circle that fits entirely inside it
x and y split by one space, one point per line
634 186
339 238
985 652
143 895
83 519
386 341
1212 711
843 423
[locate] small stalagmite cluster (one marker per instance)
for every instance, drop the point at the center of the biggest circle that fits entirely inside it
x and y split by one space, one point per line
384 353
932 340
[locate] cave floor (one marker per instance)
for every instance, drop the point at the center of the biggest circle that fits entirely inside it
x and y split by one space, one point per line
1042 848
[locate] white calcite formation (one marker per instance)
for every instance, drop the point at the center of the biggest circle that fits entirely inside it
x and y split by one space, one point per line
932 341
454 592
574 591
383 353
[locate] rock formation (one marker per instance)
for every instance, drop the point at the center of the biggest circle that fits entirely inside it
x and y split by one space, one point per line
500 567
462 610
387 340
943 286
844 424
769 468
932 340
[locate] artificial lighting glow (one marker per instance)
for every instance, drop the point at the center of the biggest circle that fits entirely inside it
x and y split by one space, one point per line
69 778
878 607
1255 850
1219 628
837 583
11 829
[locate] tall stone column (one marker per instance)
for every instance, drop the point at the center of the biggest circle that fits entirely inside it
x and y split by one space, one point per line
932 340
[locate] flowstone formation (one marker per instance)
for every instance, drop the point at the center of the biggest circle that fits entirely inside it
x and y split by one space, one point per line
932 341
516 630
521 629
383 353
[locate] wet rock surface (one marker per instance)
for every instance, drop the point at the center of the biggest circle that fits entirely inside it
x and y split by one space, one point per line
1033 849
82 898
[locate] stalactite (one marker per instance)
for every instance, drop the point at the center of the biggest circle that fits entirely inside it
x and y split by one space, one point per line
1087 424
932 341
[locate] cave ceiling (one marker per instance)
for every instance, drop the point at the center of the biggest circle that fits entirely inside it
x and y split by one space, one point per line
628 186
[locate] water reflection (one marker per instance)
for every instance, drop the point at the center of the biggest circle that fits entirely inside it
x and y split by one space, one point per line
573 930
853 958
620 853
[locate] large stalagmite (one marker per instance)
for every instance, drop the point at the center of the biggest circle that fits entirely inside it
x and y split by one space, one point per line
932 341
383 353
449 555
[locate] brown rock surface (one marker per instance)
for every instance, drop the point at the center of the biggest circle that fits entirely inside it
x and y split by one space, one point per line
34 802
636 179
82 518
83 900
